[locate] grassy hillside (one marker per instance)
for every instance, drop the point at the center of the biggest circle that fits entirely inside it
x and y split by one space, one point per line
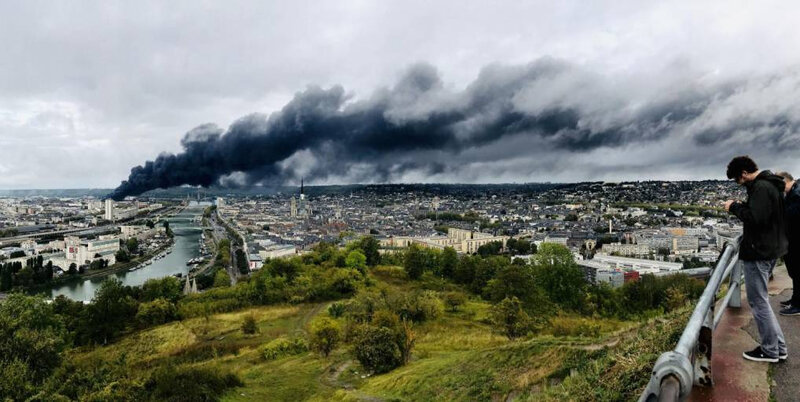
459 356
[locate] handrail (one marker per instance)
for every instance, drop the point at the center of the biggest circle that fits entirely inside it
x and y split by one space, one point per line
690 362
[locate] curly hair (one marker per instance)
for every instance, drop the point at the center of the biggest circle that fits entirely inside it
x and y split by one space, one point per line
739 165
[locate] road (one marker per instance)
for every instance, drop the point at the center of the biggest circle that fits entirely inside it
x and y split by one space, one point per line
219 233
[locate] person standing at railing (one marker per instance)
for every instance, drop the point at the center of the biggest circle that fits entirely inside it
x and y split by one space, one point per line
763 242
792 257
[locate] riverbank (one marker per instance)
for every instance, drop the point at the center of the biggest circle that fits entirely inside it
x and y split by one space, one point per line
92 274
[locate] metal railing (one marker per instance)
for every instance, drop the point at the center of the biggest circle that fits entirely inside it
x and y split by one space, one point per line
675 372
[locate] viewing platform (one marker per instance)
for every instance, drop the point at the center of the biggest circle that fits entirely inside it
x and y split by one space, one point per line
737 379
707 364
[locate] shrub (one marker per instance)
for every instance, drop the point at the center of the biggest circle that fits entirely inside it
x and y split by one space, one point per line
281 347
416 306
324 335
189 384
454 300
221 279
376 349
356 260
168 288
563 326
249 325
509 317
386 318
156 312
336 310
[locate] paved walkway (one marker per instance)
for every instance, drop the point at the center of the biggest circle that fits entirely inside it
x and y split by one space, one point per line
737 379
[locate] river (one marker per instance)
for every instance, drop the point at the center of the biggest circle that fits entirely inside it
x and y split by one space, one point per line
186 246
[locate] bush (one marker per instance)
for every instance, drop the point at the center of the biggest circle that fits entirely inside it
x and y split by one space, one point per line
454 300
156 312
249 325
376 349
416 306
324 335
509 317
189 384
336 310
563 326
387 319
221 279
356 260
281 347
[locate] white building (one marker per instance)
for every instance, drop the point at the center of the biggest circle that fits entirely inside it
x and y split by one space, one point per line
626 250
277 251
636 264
109 215
85 251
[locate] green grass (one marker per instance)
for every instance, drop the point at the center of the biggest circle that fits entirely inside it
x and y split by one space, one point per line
458 357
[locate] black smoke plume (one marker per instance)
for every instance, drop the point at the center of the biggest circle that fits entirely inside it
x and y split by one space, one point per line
421 125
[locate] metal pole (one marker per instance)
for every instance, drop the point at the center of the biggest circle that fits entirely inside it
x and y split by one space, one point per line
736 277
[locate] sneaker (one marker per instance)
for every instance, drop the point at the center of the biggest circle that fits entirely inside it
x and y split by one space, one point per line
791 310
786 303
758 355
783 357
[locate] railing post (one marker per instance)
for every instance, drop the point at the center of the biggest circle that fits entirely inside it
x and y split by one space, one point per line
736 277
702 353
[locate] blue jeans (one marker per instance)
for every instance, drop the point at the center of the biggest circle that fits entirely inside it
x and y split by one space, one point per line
756 276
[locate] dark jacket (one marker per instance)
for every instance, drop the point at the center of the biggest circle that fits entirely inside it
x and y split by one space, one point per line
793 218
764 235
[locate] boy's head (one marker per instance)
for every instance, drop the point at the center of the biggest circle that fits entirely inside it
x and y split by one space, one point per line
739 167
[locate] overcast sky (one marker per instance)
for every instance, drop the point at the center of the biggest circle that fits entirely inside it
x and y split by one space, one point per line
90 89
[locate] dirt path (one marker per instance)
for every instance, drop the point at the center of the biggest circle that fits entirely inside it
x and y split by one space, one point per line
307 317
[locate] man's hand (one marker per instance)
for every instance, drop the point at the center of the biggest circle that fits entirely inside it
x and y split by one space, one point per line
728 204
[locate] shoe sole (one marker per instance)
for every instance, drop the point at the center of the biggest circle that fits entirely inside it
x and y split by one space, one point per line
761 359
789 314
783 358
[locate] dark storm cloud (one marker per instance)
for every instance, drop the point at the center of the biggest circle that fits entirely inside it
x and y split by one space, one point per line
419 125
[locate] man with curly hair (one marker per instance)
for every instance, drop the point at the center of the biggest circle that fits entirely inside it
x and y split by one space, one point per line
763 242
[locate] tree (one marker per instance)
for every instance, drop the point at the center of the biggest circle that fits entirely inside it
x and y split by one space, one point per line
111 309
509 316
33 337
376 349
406 338
414 262
519 246
156 312
448 261
221 279
454 300
356 260
122 256
6 277
168 288
324 335
491 248
370 246
132 245
289 269
556 272
73 269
